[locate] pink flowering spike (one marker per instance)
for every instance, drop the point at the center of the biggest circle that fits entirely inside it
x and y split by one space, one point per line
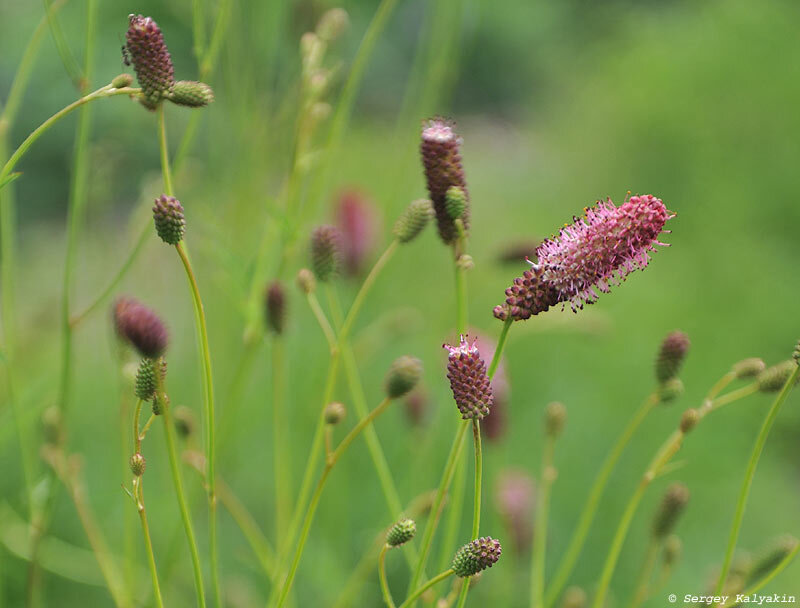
358 223
469 382
588 257
441 159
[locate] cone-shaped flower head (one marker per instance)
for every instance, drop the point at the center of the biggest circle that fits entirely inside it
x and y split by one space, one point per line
413 220
146 380
141 327
476 556
326 252
191 93
670 510
150 58
441 159
275 300
772 379
403 375
401 532
588 257
169 220
749 368
671 355
138 464
515 502
469 382
357 221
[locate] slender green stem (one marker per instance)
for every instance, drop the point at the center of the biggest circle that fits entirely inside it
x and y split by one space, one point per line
64 52
324 324
312 506
280 431
756 587
750 473
198 29
461 299
436 579
456 504
184 509
645 574
101 93
501 345
151 559
137 436
476 510
589 511
387 594
166 171
540 530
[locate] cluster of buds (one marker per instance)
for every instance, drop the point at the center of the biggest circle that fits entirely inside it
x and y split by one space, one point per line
441 159
169 220
772 379
146 382
413 220
672 506
141 327
588 256
466 370
668 363
326 252
476 556
401 532
146 50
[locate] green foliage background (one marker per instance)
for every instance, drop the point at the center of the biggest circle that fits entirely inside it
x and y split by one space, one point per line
559 103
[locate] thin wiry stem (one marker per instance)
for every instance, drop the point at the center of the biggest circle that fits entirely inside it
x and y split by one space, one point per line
436 579
645 574
749 475
547 476
280 431
387 594
476 509
138 493
758 586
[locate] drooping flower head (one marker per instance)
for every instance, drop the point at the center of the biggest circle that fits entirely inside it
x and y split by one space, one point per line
441 159
469 382
476 556
141 327
151 59
587 257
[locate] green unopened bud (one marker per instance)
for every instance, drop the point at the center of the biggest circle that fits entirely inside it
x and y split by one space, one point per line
122 81
689 420
169 220
671 355
672 550
749 368
332 24
670 390
574 597
401 532
334 413
672 505
772 379
326 252
191 93
771 557
184 421
306 281
455 201
403 375
464 262
554 419
138 464
476 556
413 220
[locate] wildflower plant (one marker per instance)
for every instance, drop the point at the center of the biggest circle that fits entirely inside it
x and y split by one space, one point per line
573 268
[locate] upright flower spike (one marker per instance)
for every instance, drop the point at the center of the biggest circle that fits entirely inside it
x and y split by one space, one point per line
671 355
326 252
191 94
476 556
141 327
357 221
441 158
401 532
587 257
145 387
151 59
275 300
169 220
672 506
469 382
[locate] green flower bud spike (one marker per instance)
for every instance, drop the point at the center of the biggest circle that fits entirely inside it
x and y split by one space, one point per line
671 355
670 390
456 202
326 252
670 510
749 368
476 556
401 532
306 281
122 81
191 94
689 420
169 220
555 417
145 387
404 374
771 557
137 463
772 379
413 220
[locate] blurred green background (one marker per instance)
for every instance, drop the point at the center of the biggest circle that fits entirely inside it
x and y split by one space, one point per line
559 103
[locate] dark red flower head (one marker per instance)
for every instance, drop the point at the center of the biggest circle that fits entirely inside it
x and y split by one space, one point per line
141 327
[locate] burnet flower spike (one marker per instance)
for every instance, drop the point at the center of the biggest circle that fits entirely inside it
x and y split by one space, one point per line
401 532
326 252
671 356
413 220
672 506
587 257
466 370
441 159
476 556
147 51
191 94
169 220
275 307
140 327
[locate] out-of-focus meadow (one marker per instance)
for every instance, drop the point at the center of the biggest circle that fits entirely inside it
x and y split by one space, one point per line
559 104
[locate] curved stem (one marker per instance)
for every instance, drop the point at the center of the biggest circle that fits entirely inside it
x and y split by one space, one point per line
436 579
281 463
501 345
750 473
151 560
540 530
179 494
589 511
387 594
